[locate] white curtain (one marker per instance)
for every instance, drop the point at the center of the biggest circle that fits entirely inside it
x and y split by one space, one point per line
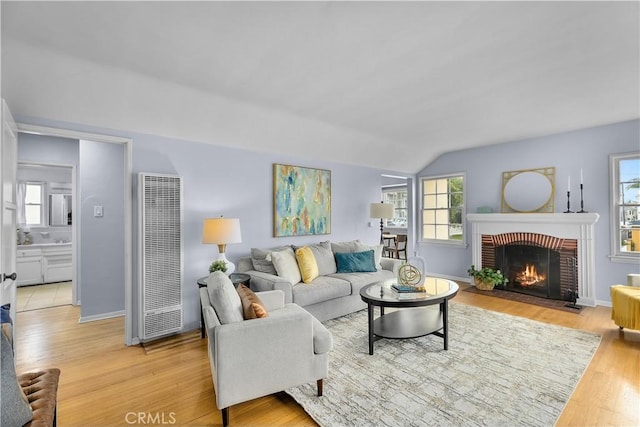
21 217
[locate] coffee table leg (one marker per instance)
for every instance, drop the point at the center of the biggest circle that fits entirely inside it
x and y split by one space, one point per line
370 315
445 324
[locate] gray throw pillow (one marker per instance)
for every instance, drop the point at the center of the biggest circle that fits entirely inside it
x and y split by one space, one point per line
287 266
263 263
14 405
324 258
347 247
224 298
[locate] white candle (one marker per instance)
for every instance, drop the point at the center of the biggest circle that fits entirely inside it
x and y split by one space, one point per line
581 176
569 183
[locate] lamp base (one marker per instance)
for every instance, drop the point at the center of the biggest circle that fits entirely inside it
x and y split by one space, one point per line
231 267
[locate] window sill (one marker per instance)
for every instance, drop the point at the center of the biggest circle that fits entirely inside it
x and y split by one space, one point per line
451 243
627 259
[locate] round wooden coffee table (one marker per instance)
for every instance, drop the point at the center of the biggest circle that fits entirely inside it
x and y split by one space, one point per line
415 318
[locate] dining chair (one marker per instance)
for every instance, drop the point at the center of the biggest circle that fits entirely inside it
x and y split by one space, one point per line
399 250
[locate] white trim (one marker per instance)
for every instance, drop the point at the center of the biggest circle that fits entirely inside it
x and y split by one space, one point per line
615 254
454 243
102 316
569 226
128 194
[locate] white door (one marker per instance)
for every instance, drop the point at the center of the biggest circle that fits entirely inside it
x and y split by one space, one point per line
8 167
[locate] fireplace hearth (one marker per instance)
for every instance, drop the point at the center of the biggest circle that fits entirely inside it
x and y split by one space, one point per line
534 264
564 252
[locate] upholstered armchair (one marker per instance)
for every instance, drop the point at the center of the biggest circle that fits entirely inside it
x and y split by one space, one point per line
283 347
625 303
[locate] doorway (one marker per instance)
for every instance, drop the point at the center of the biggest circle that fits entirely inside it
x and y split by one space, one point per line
44 257
125 248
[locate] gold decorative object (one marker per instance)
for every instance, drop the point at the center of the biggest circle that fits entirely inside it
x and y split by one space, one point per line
409 275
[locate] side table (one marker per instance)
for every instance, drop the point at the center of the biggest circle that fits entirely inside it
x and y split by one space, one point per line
236 279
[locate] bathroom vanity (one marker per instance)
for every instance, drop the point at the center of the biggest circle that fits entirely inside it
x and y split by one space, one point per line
44 263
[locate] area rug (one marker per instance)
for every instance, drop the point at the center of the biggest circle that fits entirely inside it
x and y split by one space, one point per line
500 370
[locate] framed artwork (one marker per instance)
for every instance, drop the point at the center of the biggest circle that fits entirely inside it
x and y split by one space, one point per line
301 201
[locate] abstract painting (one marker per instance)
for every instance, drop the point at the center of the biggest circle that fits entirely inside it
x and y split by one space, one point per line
301 201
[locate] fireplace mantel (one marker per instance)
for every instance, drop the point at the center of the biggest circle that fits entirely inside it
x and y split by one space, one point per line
579 226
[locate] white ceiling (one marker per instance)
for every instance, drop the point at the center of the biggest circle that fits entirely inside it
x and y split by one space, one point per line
390 85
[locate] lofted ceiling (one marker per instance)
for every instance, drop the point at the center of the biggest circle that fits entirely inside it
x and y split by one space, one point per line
390 85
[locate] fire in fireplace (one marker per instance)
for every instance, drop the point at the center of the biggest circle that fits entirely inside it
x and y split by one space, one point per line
529 276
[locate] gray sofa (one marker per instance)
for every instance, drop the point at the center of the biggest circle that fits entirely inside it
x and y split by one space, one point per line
329 295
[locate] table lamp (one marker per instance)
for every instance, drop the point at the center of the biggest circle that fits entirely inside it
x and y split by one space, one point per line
383 211
221 231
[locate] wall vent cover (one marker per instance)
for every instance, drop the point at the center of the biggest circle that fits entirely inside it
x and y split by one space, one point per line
161 276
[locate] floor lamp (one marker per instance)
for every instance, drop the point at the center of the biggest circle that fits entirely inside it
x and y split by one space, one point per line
220 231
383 211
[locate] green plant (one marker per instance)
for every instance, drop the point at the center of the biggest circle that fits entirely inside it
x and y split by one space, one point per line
218 265
487 275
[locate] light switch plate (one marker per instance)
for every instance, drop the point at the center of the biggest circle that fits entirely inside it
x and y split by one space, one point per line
98 211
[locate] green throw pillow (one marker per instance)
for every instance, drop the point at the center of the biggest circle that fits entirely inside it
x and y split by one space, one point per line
356 262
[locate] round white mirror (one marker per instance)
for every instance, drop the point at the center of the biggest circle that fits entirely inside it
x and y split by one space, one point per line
527 191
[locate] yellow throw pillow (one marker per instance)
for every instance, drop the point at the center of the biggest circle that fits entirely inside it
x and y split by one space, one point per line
252 306
307 264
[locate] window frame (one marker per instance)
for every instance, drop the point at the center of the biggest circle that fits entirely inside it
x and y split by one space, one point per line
397 189
41 204
462 243
616 253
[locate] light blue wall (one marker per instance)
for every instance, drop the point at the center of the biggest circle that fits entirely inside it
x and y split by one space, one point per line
101 239
586 149
238 184
230 182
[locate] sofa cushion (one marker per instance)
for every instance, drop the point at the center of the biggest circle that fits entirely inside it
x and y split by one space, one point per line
224 298
324 258
14 404
261 261
252 306
359 280
307 264
321 289
286 265
356 262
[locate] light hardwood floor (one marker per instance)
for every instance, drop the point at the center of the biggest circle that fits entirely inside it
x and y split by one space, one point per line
105 383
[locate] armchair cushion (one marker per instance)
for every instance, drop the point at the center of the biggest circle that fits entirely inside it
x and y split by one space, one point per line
252 306
224 298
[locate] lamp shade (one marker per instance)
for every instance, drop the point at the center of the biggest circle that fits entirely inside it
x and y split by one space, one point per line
220 231
381 210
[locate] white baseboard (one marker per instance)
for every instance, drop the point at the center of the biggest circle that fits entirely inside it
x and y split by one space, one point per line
603 303
93 318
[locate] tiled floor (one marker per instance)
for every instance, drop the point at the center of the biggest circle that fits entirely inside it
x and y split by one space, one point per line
43 296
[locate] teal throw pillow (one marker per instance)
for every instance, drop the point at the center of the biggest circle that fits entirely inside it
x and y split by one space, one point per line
356 262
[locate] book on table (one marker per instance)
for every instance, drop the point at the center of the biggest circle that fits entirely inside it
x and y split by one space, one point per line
408 289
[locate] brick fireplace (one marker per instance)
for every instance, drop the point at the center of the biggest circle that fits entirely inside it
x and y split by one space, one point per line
548 255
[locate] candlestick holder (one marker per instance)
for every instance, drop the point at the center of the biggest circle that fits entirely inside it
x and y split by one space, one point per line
568 203
581 202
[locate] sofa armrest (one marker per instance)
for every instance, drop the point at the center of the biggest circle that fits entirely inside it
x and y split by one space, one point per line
261 282
391 264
